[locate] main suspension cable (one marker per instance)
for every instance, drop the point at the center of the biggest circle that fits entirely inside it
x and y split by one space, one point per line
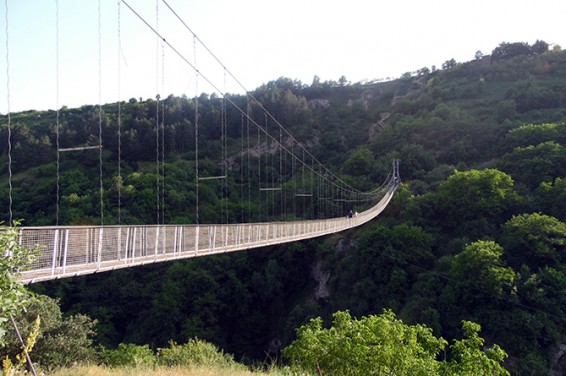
325 173
288 134
338 179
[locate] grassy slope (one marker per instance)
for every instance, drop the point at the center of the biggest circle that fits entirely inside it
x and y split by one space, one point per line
163 371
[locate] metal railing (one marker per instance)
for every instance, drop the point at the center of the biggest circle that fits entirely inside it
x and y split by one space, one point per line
67 251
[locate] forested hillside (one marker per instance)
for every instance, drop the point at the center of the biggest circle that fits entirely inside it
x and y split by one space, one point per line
476 232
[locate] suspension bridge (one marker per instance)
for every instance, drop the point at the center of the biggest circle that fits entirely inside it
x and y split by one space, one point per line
276 164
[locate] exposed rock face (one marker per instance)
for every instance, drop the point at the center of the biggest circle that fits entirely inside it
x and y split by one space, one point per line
344 245
324 103
558 366
322 277
373 130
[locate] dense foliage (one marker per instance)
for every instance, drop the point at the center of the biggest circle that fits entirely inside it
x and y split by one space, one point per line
61 341
382 345
475 233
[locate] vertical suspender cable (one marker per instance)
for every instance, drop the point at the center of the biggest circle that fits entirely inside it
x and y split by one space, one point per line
119 129
224 153
9 120
119 119
336 183
266 169
303 173
57 125
314 191
249 179
158 195
272 193
162 135
242 168
313 202
196 129
293 178
316 199
259 172
100 114
157 169
283 208
325 195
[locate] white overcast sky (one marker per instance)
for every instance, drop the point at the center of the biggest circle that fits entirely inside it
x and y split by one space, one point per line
257 41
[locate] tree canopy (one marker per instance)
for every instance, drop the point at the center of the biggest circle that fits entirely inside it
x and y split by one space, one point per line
383 345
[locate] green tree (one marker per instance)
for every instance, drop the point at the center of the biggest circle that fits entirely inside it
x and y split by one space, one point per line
532 165
472 202
383 269
470 358
416 161
383 345
550 198
539 47
532 134
373 345
481 286
506 110
544 326
480 270
509 50
535 240
360 162
449 64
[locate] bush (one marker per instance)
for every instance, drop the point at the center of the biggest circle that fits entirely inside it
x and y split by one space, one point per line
129 355
383 345
62 340
195 353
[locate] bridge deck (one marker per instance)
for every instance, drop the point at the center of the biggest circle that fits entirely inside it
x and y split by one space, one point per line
67 251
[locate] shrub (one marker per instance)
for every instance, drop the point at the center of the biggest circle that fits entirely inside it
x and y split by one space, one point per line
195 353
383 345
129 355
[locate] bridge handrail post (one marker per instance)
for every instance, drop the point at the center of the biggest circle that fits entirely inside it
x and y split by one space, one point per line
197 233
100 238
157 231
65 249
55 247
134 244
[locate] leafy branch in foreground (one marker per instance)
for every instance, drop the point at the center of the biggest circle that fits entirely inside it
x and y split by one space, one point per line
14 297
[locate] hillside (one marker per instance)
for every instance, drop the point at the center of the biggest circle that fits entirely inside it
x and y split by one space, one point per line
477 231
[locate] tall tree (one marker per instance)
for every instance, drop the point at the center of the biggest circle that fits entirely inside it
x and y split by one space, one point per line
534 239
468 199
